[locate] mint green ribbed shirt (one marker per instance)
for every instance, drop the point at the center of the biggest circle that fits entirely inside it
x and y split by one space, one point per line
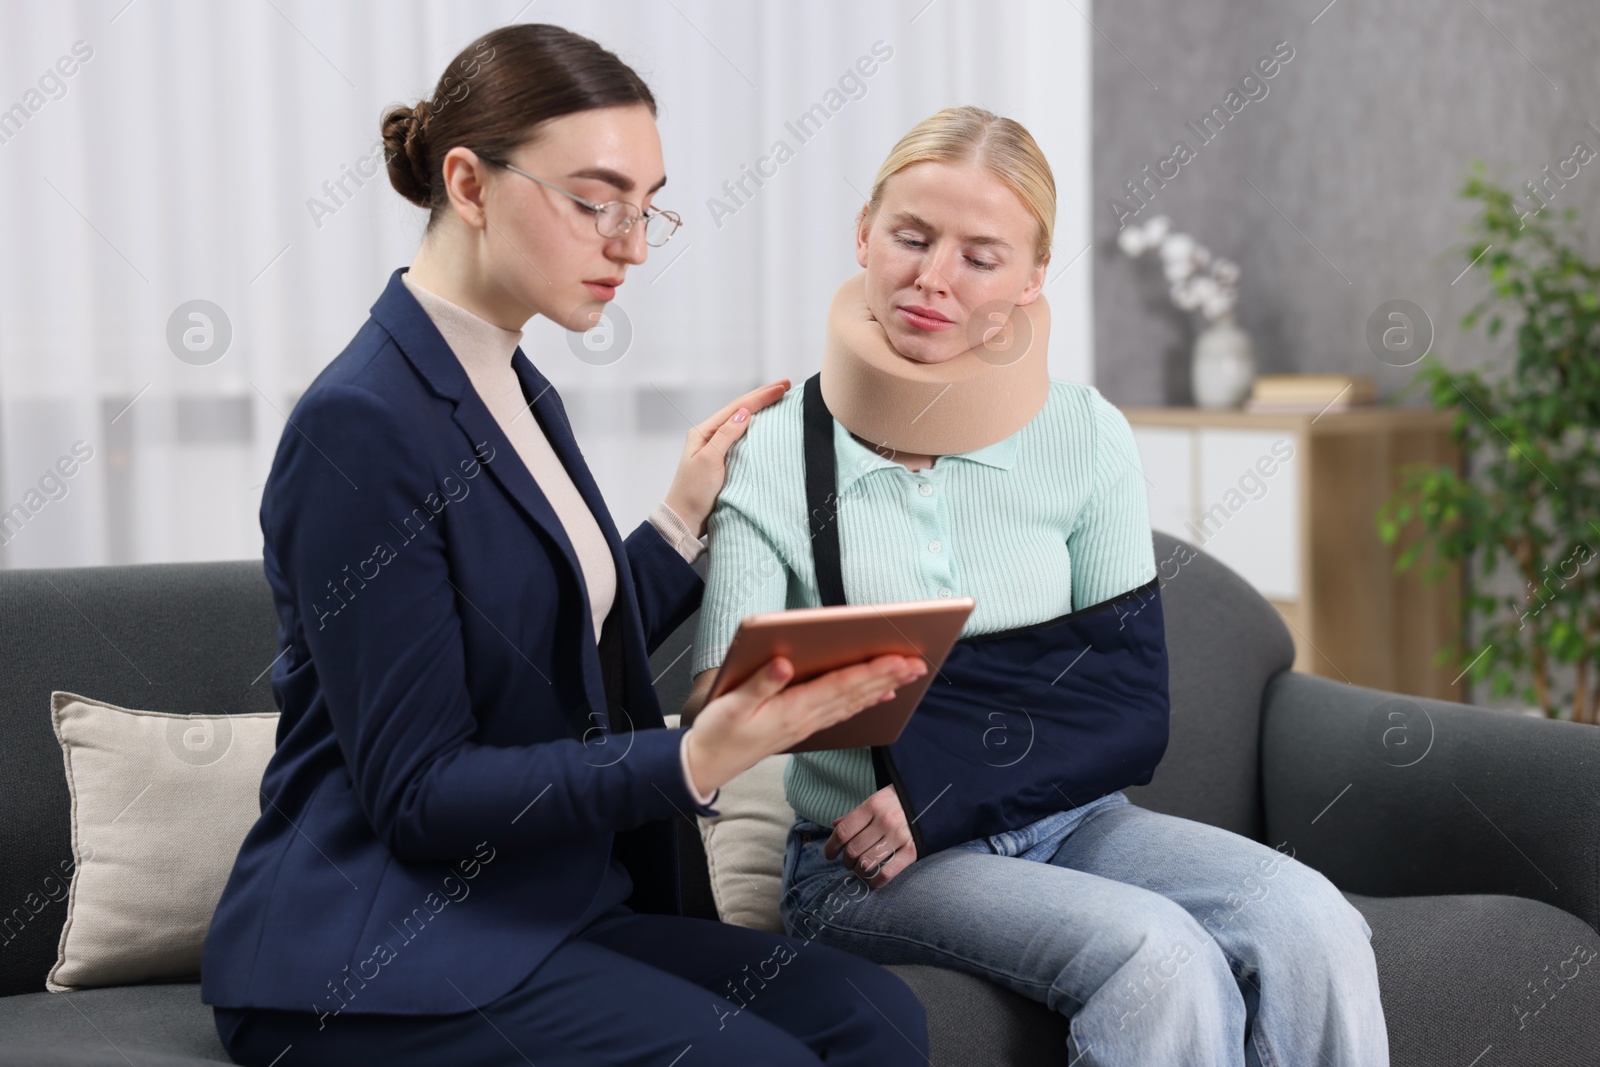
1049 520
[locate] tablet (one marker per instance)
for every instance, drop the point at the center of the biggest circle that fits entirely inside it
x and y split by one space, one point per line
819 640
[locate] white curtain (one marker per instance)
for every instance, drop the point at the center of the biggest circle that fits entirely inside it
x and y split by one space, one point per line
159 152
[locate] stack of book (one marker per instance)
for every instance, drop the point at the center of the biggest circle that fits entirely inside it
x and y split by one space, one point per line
1310 392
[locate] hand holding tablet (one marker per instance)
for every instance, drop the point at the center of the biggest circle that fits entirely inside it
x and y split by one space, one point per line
819 640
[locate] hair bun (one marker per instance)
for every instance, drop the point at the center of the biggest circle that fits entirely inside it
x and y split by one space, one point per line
493 97
405 145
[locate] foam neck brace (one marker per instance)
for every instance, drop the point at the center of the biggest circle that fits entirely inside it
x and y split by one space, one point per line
982 395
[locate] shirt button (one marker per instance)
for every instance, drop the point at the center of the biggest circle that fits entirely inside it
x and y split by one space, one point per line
944 591
925 489
933 546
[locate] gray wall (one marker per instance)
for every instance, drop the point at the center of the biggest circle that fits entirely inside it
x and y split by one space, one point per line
1361 142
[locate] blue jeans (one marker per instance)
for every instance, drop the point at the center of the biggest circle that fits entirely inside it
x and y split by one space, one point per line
1165 941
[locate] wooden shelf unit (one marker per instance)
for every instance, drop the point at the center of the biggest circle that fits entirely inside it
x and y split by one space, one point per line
1307 539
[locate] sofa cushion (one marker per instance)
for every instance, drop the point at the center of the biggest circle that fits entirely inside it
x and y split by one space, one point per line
1455 973
160 803
969 1021
1460 975
972 1020
158 1025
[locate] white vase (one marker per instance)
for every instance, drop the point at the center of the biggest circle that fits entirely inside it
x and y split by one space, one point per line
1224 365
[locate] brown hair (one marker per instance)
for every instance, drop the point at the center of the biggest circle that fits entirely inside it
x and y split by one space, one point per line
492 98
1002 146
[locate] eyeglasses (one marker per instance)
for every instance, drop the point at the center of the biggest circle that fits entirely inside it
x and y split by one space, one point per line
614 218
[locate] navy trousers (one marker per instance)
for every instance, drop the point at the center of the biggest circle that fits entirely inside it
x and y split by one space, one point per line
667 991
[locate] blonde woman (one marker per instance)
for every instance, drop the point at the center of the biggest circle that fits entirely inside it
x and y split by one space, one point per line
1166 941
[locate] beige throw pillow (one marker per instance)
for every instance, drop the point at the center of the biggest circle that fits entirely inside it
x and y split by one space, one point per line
744 845
160 804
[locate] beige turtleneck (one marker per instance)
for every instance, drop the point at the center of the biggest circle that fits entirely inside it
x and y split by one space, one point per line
485 352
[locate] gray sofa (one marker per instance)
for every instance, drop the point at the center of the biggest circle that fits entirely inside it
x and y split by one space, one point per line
1477 865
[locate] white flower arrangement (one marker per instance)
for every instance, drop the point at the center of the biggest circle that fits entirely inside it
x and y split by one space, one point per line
1198 282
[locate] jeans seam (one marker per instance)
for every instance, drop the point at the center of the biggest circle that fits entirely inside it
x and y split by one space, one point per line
1264 1051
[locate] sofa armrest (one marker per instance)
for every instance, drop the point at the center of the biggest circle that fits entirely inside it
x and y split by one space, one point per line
1390 795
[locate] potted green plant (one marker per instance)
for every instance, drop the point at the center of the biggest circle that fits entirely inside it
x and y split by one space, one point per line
1530 497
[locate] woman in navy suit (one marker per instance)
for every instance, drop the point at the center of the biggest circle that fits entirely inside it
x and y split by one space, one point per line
465 852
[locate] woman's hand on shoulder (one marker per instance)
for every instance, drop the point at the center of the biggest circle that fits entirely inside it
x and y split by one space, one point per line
874 839
701 468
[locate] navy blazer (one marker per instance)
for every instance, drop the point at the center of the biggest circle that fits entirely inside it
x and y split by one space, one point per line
450 781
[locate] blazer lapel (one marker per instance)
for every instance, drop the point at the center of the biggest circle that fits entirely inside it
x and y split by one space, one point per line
553 418
422 344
